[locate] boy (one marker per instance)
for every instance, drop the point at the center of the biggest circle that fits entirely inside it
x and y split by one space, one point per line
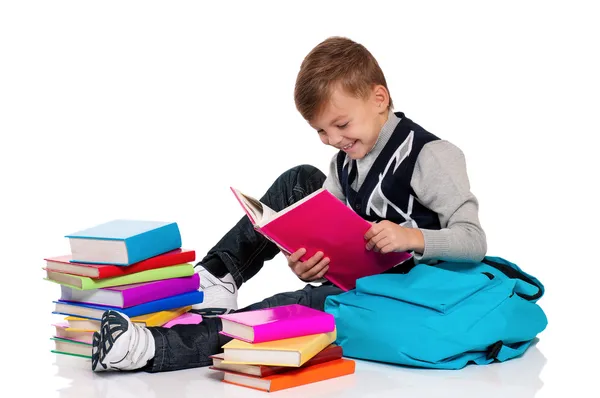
412 185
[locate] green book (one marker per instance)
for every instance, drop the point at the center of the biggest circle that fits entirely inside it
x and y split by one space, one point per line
72 347
85 283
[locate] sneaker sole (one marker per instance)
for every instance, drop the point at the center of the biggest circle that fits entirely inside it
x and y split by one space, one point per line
105 337
212 312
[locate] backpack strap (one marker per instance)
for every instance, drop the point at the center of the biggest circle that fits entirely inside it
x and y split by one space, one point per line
516 274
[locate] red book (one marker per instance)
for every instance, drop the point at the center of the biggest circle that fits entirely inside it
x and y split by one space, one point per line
330 353
322 222
96 271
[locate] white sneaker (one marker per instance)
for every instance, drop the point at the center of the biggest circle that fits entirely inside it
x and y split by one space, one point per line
220 294
121 344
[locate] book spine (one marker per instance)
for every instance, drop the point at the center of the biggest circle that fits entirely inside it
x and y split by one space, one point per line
295 327
152 243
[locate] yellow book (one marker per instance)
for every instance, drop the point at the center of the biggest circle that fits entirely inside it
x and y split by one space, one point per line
161 317
292 352
153 319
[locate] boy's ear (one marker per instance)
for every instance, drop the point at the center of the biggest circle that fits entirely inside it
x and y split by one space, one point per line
381 97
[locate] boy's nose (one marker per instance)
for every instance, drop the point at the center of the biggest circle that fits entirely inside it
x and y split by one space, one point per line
335 140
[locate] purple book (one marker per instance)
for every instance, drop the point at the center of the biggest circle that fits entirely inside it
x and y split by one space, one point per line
125 296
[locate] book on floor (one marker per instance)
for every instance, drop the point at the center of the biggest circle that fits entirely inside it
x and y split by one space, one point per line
292 352
294 378
86 283
123 242
125 296
64 264
321 222
329 353
276 323
70 347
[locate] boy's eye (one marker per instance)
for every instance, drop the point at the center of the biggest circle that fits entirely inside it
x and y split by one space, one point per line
343 125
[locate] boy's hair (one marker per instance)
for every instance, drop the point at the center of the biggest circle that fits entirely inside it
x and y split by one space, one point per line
335 60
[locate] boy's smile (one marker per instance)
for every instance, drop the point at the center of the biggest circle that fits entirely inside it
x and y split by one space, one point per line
352 124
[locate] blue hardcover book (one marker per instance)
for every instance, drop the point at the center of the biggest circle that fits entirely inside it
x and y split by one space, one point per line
123 242
94 311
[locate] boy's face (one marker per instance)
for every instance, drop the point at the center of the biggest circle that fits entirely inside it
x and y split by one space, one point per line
352 124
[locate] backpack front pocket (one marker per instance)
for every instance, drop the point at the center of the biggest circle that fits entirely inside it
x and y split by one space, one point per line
427 286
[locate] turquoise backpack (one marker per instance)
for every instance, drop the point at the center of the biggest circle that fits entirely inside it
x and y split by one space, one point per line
443 316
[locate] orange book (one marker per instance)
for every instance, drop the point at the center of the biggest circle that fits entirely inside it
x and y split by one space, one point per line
293 378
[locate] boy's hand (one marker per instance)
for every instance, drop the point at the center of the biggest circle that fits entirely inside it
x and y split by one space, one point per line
386 237
310 270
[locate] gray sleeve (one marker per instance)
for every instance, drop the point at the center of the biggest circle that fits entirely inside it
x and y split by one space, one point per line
441 184
332 182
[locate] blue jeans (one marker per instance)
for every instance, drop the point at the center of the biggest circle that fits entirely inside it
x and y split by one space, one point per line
242 251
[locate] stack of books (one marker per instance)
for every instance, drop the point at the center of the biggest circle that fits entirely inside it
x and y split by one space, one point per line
278 348
135 267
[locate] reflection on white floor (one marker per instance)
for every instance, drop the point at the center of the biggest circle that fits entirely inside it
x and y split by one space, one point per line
517 378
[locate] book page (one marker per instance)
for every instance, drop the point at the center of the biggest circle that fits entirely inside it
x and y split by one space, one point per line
257 211
260 211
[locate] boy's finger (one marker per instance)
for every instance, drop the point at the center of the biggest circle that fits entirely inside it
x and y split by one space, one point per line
388 248
374 230
300 267
373 241
314 259
310 273
322 272
381 243
294 257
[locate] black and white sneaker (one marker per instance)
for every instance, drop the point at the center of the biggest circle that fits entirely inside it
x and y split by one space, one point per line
121 344
220 294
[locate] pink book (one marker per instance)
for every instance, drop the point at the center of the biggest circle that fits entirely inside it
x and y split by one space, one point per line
321 222
63 331
276 323
125 296
188 318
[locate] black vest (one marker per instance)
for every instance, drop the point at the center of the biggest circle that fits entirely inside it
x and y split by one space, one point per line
386 193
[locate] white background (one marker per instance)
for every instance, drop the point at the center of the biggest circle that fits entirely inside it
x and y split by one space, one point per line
151 110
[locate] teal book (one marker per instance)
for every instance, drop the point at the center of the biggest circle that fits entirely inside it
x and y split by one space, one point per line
123 242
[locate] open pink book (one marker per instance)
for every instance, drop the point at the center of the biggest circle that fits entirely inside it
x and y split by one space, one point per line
321 222
278 323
